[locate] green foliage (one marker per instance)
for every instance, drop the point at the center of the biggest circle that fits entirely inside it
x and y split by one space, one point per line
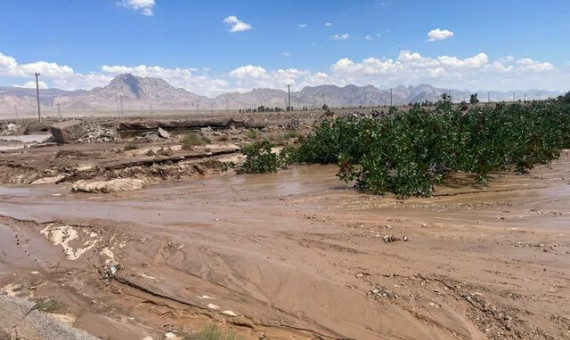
213 332
194 139
48 306
259 158
406 153
287 156
473 100
445 103
291 134
565 99
253 134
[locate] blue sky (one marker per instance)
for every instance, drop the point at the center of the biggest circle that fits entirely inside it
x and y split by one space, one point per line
500 44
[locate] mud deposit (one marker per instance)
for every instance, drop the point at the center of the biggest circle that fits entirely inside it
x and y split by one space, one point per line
298 255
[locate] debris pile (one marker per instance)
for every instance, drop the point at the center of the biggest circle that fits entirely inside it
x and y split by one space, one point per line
9 129
82 131
114 185
96 133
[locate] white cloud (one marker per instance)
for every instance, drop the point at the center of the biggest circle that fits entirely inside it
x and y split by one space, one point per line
302 25
9 67
368 37
146 7
439 34
249 71
32 85
477 72
532 65
328 24
343 36
236 25
286 54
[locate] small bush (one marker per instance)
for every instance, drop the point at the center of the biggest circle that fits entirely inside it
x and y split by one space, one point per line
260 158
253 134
131 147
194 139
287 156
291 134
224 138
213 332
48 305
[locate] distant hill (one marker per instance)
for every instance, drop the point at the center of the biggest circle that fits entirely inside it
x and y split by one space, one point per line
138 93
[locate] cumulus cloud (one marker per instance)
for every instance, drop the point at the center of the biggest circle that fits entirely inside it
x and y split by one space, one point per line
32 85
302 25
9 67
477 72
328 24
343 36
439 34
146 7
236 25
368 37
286 54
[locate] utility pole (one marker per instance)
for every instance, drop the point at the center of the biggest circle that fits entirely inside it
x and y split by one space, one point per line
324 99
59 110
488 96
391 98
289 98
121 113
524 98
121 107
227 105
38 96
514 97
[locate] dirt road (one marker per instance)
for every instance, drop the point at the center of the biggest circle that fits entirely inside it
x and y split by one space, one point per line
299 255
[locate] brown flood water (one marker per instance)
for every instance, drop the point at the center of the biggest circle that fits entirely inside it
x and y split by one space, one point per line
299 255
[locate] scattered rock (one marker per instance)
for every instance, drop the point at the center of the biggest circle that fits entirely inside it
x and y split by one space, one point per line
163 133
114 185
406 238
390 239
67 131
229 313
48 180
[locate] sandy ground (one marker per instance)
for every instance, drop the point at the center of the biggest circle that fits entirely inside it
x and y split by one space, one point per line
298 255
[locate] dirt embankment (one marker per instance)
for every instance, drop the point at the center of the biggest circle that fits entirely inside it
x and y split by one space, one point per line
299 255
147 150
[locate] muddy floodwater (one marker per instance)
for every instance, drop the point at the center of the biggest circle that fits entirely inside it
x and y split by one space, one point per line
298 255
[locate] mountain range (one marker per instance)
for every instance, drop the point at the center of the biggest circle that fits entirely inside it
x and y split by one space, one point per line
135 93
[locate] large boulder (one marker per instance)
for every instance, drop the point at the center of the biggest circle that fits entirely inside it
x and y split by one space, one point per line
114 185
68 131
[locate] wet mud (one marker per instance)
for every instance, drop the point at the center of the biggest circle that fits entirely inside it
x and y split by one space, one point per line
298 255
